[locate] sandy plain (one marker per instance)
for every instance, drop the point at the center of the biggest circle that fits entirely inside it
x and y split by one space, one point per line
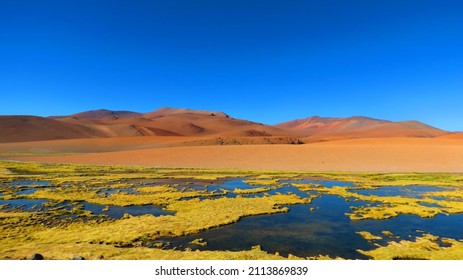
353 155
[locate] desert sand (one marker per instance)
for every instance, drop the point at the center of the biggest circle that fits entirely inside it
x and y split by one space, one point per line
355 155
94 145
172 137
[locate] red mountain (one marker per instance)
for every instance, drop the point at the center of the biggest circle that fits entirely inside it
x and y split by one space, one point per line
187 122
318 128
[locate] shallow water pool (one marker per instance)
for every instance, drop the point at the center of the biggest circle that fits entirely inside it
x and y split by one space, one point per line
118 212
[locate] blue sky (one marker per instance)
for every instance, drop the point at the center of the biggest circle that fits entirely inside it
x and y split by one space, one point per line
264 60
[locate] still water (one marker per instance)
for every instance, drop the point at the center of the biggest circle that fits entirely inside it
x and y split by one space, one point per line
324 231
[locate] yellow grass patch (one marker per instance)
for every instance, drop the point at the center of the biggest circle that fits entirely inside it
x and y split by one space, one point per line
199 242
191 216
262 182
368 236
159 195
108 252
387 233
425 247
251 191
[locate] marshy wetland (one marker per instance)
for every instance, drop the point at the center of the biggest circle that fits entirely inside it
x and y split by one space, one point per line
111 212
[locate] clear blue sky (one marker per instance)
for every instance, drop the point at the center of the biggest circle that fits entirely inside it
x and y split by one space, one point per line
264 60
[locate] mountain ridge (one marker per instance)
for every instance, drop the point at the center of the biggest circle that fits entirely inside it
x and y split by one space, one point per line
357 127
179 122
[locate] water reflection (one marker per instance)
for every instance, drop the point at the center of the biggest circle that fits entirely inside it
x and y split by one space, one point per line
406 191
118 212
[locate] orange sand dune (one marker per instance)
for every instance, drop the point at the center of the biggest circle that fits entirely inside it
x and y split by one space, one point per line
357 155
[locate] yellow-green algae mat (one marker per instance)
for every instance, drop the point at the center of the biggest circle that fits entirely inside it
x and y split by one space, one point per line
93 237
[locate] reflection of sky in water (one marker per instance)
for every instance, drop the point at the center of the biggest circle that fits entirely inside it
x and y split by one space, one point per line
324 231
231 185
25 187
429 204
26 204
118 212
441 198
299 232
107 192
326 183
406 191
29 183
289 189
27 191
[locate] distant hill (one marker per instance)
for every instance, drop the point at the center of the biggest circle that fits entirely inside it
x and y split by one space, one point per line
106 123
31 128
315 125
200 123
174 111
101 114
320 129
